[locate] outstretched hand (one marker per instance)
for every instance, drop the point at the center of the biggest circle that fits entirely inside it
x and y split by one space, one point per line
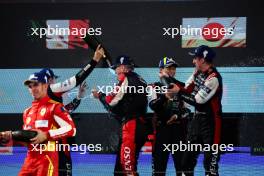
82 90
5 137
99 53
95 93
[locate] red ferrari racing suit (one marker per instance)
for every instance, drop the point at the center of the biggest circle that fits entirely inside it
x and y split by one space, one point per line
53 119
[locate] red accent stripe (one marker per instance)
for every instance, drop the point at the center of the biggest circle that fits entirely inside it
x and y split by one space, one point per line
58 94
217 119
128 146
121 78
109 98
188 89
211 76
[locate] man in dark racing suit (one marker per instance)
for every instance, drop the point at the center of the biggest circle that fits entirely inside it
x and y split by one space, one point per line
203 90
129 108
169 120
76 101
55 92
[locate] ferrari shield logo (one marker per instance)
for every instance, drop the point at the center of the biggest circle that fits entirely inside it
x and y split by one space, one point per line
43 111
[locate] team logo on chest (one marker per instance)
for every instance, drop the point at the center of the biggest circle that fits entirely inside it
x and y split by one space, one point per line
42 111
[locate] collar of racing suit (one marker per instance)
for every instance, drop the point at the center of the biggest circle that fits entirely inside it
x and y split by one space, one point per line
209 70
42 101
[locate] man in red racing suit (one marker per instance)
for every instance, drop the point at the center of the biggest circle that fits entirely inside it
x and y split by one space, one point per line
129 108
51 121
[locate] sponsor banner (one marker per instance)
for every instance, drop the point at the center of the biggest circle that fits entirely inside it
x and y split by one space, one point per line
214 32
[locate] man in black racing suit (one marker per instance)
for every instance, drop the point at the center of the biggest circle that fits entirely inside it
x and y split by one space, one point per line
129 108
169 120
55 92
203 90
71 106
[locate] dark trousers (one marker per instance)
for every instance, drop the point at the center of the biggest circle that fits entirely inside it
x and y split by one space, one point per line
201 130
167 134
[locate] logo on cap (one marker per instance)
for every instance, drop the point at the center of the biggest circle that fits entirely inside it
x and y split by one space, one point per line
205 53
122 60
33 77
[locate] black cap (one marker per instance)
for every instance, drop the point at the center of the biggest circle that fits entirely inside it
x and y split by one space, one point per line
167 62
122 60
203 51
